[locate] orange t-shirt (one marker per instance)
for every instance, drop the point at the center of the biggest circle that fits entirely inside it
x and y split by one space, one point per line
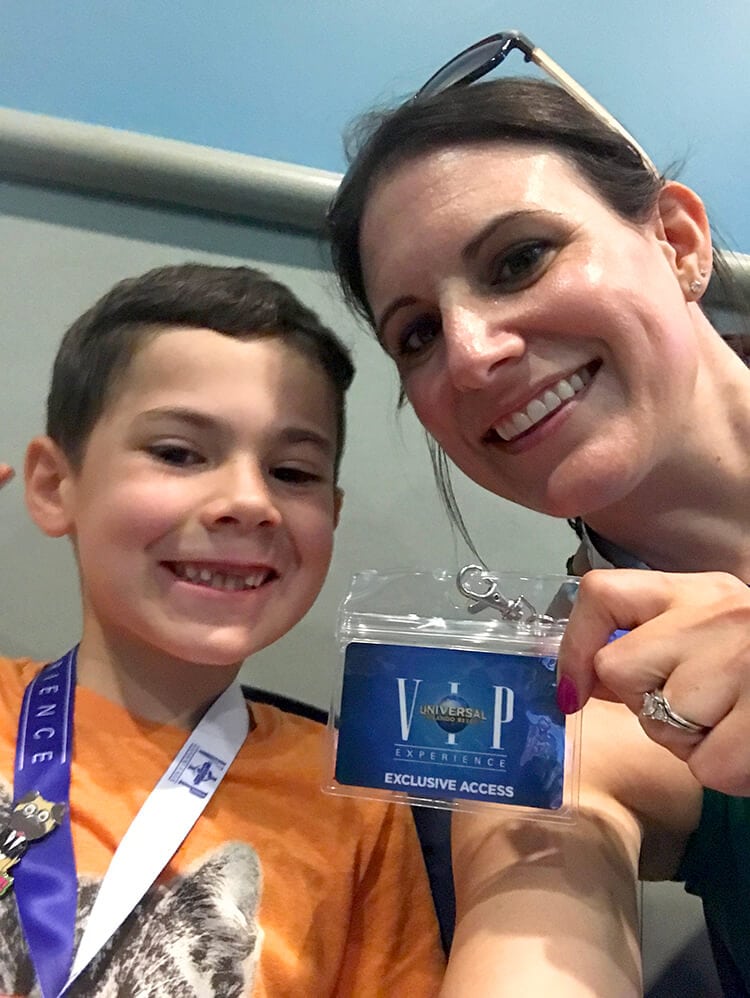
279 889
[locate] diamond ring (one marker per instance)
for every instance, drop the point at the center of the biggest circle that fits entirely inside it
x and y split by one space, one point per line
656 706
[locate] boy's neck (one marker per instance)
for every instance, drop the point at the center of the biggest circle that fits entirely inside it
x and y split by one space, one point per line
150 685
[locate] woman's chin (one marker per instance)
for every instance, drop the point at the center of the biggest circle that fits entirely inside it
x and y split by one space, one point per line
582 497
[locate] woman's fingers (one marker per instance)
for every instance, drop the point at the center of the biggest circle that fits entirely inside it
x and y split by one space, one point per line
697 623
721 760
607 601
689 640
6 473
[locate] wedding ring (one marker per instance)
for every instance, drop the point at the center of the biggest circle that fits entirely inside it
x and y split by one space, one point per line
657 708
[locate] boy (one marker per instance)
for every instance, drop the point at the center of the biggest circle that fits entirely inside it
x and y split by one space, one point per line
195 426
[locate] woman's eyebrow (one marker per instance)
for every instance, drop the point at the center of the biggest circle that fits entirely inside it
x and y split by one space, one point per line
468 253
499 222
404 301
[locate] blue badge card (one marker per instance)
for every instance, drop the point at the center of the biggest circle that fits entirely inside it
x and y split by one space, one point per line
448 710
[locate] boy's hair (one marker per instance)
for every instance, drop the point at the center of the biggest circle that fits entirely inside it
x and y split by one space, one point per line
239 302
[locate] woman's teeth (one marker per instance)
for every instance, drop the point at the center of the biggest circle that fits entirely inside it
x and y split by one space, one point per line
542 406
225 581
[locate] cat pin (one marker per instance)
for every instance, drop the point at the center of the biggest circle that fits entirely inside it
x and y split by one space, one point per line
30 819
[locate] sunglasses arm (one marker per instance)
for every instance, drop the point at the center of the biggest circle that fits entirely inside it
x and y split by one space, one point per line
544 62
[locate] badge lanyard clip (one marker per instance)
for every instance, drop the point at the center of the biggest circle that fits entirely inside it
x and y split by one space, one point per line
478 586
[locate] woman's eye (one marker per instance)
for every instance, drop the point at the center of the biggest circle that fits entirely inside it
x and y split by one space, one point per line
519 264
178 455
418 334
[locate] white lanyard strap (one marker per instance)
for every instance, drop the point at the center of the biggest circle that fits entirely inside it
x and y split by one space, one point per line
164 820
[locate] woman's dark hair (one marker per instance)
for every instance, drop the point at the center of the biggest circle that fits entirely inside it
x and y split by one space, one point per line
507 110
511 109
239 302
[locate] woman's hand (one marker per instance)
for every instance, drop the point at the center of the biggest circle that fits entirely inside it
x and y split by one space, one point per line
689 637
6 473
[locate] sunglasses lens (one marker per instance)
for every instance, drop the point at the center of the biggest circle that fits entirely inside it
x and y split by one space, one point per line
466 67
478 60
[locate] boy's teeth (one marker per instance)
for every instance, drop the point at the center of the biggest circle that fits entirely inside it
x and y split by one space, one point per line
536 410
219 580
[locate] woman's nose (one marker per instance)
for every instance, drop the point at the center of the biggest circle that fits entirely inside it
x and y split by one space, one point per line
242 497
476 344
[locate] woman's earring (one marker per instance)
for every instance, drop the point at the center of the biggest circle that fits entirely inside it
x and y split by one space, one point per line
696 284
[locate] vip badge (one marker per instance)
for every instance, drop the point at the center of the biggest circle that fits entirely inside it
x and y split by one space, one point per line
451 723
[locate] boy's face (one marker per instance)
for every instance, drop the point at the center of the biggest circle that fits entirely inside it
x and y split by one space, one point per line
204 510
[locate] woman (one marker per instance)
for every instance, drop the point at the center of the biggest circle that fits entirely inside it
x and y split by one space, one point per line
538 285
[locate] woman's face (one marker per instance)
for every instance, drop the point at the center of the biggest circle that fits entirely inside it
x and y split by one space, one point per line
541 339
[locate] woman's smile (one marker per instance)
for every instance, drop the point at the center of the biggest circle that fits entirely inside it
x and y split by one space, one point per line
530 324
544 404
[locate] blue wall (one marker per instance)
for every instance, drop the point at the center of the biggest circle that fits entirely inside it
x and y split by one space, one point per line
280 78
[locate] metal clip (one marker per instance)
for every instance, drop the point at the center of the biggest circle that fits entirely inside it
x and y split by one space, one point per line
485 594
474 583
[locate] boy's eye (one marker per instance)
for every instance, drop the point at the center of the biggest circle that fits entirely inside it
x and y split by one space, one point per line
519 265
178 455
295 476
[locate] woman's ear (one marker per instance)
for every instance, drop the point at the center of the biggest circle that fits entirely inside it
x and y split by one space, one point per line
49 487
685 234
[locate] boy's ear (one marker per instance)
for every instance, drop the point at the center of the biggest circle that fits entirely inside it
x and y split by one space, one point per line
683 229
49 479
338 502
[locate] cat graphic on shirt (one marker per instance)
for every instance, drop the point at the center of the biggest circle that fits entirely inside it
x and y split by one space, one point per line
196 936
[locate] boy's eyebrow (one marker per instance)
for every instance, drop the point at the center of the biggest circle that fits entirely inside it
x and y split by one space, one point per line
289 434
183 414
306 435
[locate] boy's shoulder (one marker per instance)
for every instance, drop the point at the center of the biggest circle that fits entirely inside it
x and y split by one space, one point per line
288 705
27 666
289 748
16 674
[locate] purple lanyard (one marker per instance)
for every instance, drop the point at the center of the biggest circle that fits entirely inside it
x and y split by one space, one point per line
46 887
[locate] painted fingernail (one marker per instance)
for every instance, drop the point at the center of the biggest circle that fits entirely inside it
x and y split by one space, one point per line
567 695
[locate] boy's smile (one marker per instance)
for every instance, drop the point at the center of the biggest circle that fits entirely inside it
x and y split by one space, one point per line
204 510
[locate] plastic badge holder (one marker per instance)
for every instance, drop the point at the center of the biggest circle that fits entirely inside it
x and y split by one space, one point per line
447 695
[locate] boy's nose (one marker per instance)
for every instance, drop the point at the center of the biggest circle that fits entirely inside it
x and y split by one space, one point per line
242 497
475 345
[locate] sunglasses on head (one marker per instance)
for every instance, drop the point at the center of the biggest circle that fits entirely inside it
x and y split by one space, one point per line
482 57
